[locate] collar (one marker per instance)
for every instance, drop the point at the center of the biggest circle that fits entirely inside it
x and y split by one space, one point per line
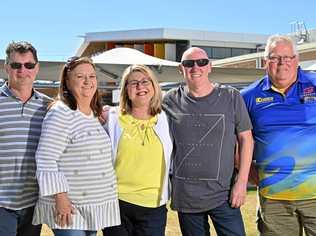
301 78
4 89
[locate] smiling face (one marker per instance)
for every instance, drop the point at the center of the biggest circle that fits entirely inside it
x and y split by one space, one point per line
196 76
282 72
21 77
82 82
140 89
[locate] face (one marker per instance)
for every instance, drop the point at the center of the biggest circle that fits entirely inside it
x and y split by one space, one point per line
21 77
196 75
140 89
283 72
82 82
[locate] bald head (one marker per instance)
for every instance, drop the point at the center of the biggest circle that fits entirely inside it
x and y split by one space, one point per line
193 51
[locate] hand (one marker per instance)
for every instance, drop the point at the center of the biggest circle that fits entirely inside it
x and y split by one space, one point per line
238 194
105 114
63 210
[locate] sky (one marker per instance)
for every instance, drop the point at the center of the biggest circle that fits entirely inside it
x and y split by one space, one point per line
56 27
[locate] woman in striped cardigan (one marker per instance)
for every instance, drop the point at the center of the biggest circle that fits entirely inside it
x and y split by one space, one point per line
78 190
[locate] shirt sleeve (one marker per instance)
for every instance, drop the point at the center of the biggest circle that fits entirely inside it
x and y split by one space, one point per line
242 118
52 143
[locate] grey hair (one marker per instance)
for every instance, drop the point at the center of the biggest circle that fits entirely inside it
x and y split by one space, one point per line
273 40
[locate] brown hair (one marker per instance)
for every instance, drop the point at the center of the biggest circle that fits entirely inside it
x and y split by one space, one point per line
126 103
20 47
65 95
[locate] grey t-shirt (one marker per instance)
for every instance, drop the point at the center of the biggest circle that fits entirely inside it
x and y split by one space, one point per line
204 131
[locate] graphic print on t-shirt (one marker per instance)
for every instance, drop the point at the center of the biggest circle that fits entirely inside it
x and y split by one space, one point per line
198 154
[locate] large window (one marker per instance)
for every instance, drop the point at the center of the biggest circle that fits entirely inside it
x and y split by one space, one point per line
225 52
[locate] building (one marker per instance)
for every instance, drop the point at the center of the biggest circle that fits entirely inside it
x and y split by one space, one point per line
306 47
169 44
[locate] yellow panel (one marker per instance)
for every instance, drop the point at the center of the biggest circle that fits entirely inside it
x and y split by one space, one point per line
128 45
159 50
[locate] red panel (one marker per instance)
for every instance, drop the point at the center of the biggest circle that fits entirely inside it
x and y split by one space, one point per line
149 49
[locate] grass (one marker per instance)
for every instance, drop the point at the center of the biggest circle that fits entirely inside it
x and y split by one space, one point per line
248 212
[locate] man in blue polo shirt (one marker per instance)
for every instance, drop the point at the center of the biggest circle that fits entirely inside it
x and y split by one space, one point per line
282 108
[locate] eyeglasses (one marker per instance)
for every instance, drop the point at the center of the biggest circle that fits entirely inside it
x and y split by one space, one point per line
18 65
135 83
285 59
199 62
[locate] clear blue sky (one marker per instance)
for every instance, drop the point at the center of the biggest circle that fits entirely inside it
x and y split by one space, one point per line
55 27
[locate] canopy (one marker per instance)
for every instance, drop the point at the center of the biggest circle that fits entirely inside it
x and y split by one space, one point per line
128 56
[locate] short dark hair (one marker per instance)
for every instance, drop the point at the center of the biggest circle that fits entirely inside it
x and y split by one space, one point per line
20 47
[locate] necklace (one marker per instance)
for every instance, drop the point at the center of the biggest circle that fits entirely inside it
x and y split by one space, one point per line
141 129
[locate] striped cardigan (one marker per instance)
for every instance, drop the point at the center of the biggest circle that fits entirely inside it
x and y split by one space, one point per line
74 156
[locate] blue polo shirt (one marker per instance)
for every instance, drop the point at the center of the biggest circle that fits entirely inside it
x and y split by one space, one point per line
284 129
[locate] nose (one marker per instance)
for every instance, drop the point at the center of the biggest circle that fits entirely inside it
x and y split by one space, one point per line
195 65
86 79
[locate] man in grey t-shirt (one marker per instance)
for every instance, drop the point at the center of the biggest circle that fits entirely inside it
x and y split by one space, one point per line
206 119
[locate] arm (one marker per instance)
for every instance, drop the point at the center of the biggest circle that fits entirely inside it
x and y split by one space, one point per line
52 182
239 190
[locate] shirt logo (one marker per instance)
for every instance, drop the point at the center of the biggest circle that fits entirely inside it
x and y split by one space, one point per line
264 100
308 91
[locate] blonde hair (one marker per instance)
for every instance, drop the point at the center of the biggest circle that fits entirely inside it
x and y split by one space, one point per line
126 103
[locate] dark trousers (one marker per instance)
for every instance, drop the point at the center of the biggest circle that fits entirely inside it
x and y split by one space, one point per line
227 221
18 222
139 221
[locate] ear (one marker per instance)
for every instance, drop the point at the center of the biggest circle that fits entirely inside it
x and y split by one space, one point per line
210 67
180 68
6 68
37 67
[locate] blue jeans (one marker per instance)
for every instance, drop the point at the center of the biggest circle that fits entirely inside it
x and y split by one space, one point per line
227 221
18 222
139 221
74 232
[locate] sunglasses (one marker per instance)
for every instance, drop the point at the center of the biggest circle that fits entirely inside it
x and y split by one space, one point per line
18 65
199 62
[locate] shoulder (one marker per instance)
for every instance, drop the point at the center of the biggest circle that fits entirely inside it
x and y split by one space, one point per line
162 116
43 96
227 89
61 109
307 76
171 93
253 88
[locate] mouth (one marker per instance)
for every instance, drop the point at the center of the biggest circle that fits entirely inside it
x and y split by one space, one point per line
195 75
141 93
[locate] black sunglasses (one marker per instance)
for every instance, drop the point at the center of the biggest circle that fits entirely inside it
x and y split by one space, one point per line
18 65
199 62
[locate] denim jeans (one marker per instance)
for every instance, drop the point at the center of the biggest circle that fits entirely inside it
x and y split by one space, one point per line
139 221
227 221
74 232
18 222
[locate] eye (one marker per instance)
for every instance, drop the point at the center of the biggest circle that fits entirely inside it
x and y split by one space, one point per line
92 76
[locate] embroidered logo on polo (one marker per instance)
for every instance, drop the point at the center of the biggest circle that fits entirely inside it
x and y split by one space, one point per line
260 100
205 139
309 95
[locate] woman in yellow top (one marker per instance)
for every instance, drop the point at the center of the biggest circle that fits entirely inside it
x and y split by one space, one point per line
142 147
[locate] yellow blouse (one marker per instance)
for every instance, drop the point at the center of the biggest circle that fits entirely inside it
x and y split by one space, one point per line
140 164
